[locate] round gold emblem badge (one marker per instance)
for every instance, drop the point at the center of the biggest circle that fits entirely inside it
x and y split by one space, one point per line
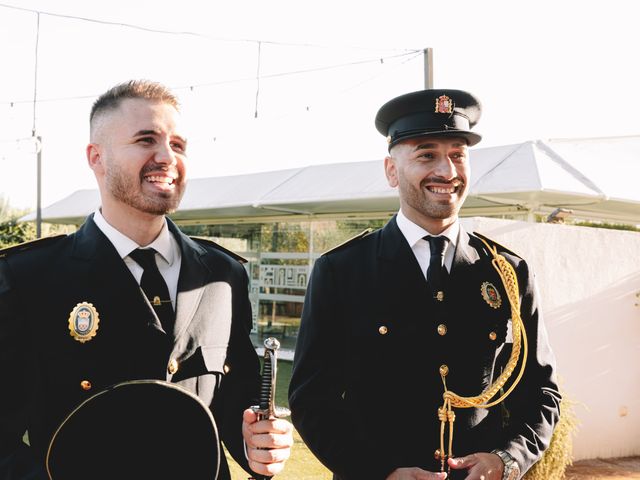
491 295
83 322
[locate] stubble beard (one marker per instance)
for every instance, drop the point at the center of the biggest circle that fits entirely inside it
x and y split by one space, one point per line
129 191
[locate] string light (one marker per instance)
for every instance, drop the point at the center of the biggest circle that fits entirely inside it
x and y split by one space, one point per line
404 54
408 56
188 33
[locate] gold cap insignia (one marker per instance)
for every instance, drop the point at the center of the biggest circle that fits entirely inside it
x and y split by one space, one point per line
83 322
444 104
491 295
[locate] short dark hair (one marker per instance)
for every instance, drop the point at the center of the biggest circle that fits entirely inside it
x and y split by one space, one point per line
144 89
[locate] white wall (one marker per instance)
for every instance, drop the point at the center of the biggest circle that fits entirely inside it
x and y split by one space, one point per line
589 280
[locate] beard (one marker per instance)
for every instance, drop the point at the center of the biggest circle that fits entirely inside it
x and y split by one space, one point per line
128 190
418 200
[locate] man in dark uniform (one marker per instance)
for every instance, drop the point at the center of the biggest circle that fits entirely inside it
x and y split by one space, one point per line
76 315
409 355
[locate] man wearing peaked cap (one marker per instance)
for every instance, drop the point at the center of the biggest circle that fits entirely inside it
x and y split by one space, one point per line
422 351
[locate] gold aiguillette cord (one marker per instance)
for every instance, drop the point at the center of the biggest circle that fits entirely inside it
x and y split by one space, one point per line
446 415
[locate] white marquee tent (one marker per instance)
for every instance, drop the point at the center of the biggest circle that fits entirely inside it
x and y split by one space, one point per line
595 178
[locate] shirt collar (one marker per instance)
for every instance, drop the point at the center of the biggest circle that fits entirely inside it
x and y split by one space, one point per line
163 244
413 233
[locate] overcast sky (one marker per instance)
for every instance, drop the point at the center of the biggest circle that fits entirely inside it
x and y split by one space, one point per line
543 69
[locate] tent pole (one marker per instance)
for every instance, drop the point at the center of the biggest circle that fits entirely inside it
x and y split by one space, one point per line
428 67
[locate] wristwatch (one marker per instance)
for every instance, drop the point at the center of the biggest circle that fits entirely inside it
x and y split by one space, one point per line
511 468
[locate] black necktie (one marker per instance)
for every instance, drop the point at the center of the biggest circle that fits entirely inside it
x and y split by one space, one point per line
435 272
155 287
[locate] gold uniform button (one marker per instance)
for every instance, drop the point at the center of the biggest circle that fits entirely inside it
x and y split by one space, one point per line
444 370
493 335
436 454
383 330
440 296
85 385
226 368
173 366
442 329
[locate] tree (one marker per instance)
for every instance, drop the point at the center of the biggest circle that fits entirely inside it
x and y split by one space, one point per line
13 232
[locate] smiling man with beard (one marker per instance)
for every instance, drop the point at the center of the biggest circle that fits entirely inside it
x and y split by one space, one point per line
129 298
422 353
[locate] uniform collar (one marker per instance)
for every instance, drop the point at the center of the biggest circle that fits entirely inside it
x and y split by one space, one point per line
413 233
164 243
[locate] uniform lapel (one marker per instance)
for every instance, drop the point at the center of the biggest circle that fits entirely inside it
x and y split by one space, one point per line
465 253
192 280
108 279
403 280
393 246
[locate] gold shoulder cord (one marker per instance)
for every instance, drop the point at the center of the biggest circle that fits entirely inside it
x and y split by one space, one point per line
452 399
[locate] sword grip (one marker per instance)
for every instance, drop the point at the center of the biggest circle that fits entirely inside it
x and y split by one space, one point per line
267 408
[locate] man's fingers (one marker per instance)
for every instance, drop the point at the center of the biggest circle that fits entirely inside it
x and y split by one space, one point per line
414 473
276 425
268 443
269 440
275 433
249 416
462 462
273 455
268 469
479 466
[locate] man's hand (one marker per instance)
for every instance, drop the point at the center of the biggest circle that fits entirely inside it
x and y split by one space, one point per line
479 466
415 473
268 443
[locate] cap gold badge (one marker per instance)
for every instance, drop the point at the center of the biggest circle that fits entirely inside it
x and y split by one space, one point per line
491 295
444 104
83 322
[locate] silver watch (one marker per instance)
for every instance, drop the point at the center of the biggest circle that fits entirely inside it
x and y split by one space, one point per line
511 468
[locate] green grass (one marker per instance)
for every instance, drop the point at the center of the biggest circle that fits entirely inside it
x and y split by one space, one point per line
302 465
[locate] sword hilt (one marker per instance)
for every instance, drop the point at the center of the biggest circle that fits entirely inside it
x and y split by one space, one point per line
267 407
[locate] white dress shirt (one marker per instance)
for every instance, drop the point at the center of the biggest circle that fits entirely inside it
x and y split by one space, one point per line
414 235
168 256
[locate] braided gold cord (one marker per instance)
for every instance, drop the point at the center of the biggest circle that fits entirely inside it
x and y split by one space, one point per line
452 399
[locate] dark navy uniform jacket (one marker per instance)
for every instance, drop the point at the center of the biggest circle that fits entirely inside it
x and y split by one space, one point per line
366 385
45 367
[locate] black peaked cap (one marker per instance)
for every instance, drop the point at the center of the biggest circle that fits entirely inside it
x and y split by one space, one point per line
431 112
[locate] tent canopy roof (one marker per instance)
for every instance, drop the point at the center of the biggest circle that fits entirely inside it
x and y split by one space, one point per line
596 178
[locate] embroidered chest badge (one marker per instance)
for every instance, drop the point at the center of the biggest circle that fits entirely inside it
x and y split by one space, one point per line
491 295
83 322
